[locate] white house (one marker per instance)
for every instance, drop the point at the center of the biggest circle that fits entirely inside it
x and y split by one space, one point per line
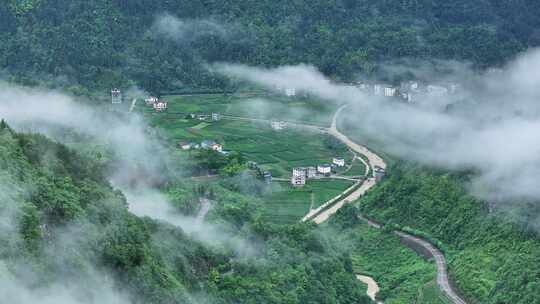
267 175
116 96
311 172
160 106
290 92
389 91
324 169
339 161
184 145
207 144
151 100
379 173
278 125
210 144
216 116
299 172
298 180
217 147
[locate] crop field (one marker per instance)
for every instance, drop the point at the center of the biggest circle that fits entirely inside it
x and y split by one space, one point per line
262 106
358 169
275 151
289 204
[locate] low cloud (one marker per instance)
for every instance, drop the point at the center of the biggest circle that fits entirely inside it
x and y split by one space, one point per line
491 125
154 204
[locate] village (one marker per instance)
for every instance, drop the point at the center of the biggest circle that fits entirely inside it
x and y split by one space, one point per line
299 176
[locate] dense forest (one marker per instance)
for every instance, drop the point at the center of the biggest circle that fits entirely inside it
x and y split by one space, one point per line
88 45
493 258
67 228
64 224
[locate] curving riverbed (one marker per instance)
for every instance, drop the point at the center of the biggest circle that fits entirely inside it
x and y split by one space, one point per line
373 287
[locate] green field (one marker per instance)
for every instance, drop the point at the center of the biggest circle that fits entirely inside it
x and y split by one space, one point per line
275 151
358 169
289 204
262 106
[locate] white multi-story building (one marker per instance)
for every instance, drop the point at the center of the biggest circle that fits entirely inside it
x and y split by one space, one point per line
311 172
389 91
298 177
325 169
278 125
151 100
300 171
379 173
298 180
290 92
160 106
339 161
116 96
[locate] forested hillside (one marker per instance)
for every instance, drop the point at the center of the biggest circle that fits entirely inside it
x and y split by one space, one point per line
493 259
67 234
100 44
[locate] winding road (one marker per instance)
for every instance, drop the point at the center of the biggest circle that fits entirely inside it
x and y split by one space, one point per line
321 214
374 160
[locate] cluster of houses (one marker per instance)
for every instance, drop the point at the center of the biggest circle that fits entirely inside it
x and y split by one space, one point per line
301 174
156 103
291 92
408 90
205 144
278 125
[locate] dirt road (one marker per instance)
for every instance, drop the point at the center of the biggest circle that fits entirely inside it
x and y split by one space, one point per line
374 160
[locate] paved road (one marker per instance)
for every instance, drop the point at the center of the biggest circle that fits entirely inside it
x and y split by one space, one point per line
375 160
442 274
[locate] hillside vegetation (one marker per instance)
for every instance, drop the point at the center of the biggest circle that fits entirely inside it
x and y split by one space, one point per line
100 44
64 223
492 259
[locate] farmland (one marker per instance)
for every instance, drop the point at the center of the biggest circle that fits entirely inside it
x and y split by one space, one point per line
261 106
288 204
274 151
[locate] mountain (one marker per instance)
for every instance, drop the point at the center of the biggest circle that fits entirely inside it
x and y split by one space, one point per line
68 236
164 45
